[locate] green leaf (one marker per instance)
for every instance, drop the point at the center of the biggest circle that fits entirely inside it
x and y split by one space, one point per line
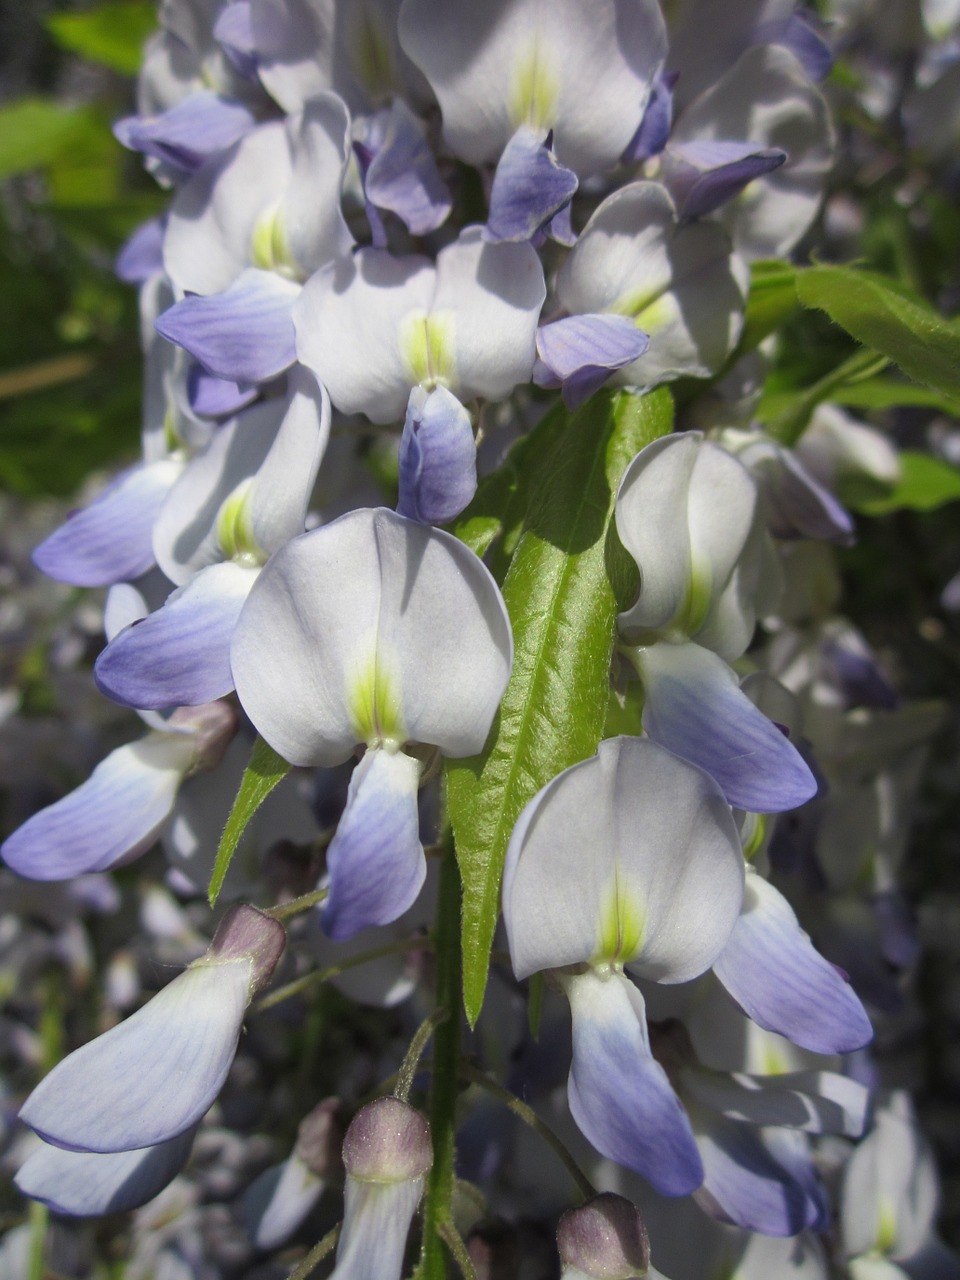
888 393
113 34
925 483
35 132
786 414
568 579
881 315
261 775
772 296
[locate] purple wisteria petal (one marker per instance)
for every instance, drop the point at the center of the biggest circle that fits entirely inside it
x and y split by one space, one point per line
798 34
437 459
651 137
694 706
530 186
402 175
197 128
153 1076
619 1094
213 397
745 1184
179 655
375 861
244 334
112 539
233 31
702 175
141 255
779 979
111 818
580 352
86 1184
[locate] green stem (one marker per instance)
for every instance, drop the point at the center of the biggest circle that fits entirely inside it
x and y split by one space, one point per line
316 1255
454 1242
320 976
408 1068
437 1210
790 425
530 1117
39 1217
287 909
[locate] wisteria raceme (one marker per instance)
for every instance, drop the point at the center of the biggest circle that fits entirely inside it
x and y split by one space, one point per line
502 268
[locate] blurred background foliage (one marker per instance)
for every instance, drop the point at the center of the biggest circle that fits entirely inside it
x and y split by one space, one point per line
69 196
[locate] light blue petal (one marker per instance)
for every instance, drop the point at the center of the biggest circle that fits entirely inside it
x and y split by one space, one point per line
375 861
197 128
152 1077
797 34
85 1184
438 458
403 175
244 334
703 175
695 708
619 1095
112 539
780 980
111 818
376 1223
651 137
213 397
580 352
179 655
278 1201
529 187
141 255
745 1184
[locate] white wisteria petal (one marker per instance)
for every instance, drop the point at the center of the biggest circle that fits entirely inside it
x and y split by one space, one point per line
372 628
278 1201
186 535
811 1101
272 201
679 283
281 489
151 1077
493 294
349 321
599 870
86 1184
376 1223
891 1191
686 511
767 98
583 71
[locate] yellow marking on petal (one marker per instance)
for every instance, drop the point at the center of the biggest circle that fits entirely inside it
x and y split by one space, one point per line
534 92
692 613
752 834
234 530
427 345
373 697
773 1062
269 249
622 927
886 1225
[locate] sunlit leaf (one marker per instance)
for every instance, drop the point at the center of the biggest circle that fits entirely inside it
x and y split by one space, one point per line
265 770
112 34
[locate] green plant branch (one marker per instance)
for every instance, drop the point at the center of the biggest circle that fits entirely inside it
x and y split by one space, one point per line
319 976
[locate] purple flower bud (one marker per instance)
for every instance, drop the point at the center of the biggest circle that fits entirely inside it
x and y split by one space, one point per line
246 933
387 1142
604 1238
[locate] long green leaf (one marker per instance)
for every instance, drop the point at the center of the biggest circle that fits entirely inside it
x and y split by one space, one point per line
875 312
112 34
261 775
568 579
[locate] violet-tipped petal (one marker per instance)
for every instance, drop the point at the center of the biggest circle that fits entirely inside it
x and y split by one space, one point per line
529 187
375 861
437 459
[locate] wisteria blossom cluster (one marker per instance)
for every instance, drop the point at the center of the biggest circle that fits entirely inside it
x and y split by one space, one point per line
419 565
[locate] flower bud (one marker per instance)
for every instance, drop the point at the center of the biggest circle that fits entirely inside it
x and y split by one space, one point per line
604 1239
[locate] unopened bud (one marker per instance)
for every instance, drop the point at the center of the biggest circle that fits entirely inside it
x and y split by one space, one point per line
387 1141
604 1239
213 725
319 1139
245 933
